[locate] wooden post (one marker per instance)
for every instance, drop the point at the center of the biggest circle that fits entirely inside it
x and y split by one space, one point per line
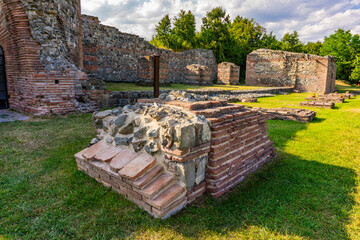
156 76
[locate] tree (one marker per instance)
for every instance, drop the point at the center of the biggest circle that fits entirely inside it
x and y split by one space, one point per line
313 48
184 31
247 36
163 33
269 41
215 33
355 74
290 42
344 47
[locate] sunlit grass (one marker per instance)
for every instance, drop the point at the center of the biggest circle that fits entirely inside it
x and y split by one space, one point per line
311 191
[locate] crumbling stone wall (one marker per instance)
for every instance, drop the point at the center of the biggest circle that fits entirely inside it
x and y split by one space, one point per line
306 72
110 55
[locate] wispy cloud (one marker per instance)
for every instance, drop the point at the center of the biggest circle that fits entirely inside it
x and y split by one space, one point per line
313 19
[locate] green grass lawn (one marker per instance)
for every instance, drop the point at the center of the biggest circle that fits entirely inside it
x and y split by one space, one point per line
133 87
311 191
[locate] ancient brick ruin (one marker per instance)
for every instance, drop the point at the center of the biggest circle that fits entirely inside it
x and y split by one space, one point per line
56 61
111 55
164 153
197 74
228 74
305 72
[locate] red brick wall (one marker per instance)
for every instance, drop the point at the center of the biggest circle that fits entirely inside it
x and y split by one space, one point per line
31 89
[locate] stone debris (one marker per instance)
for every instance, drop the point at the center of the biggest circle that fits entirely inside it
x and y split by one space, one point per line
175 150
291 114
320 104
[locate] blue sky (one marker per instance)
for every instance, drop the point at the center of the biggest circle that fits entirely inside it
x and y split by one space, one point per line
313 19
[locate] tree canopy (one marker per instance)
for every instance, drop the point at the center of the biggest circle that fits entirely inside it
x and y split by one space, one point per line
232 41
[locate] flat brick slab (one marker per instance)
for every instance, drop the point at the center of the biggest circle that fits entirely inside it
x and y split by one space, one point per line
106 153
90 152
157 185
329 105
148 177
165 198
137 167
121 159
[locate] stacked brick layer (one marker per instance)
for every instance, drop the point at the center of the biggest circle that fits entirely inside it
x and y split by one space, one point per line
228 74
136 176
239 143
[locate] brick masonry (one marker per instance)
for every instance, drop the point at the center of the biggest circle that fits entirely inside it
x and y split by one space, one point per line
162 155
305 72
228 74
197 74
145 75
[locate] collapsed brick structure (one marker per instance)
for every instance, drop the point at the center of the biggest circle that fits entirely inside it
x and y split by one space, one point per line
42 46
305 72
197 74
228 74
56 61
162 155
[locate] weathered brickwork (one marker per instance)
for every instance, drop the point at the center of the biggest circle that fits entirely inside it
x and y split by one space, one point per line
228 74
197 74
305 72
146 72
164 153
110 55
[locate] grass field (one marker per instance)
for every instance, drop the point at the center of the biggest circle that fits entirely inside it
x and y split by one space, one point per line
311 191
133 87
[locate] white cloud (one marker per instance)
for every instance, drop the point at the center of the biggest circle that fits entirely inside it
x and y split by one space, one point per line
313 19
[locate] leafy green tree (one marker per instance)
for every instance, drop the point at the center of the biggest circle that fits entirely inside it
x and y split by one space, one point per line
184 31
290 42
344 47
355 74
313 48
269 41
163 33
215 34
247 36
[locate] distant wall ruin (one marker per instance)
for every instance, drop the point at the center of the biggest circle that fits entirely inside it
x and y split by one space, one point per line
111 55
305 72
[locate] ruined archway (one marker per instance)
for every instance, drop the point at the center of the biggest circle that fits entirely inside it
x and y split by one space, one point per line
3 86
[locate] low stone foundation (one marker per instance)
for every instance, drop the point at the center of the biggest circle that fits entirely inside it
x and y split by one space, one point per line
318 104
162 154
290 114
326 99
